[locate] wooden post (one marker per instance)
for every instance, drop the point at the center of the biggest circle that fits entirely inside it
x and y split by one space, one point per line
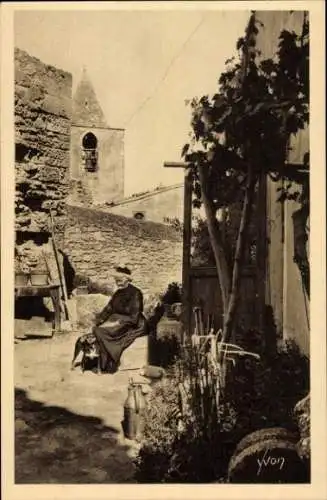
60 273
187 233
261 255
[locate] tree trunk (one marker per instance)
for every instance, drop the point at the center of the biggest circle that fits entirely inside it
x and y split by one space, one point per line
230 316
216 241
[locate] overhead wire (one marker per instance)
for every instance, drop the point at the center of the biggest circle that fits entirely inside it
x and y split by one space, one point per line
166 73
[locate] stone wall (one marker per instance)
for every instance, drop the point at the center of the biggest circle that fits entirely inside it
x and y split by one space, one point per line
42 139
97 241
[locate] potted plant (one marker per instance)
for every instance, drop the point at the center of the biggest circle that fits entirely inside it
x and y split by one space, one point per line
172 295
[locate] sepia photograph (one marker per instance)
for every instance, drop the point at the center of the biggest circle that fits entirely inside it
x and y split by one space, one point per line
161 259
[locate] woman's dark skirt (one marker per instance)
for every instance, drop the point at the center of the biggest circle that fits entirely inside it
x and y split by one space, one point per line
113 340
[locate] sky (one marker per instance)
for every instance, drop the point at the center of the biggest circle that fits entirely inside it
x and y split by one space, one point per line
143 66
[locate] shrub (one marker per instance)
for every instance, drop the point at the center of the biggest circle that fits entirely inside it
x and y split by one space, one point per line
172 294
257 395
302 412
265 393
160 432
167 342
190 442
170 454
166 350
165 329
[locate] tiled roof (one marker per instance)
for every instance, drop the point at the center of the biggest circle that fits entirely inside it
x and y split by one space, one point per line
147 194
86 108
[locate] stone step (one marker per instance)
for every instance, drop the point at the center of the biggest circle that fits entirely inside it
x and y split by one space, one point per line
136 355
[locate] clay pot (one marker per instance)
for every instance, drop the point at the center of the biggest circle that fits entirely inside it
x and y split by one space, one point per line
39 278
21 279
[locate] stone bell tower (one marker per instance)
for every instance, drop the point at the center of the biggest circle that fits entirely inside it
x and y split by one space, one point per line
97 150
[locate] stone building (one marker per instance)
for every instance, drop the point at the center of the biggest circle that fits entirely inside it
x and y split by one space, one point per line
68 160
162 204
97 150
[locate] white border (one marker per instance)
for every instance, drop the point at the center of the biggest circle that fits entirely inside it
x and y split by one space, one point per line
318 489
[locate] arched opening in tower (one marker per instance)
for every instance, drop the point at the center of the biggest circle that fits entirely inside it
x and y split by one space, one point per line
90 141
90 152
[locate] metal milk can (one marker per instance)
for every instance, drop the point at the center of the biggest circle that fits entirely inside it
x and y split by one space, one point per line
130 416
134 411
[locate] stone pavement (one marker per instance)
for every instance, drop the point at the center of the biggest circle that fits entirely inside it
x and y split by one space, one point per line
68 423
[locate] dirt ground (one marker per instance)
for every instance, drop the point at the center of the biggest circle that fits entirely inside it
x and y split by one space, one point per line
68 423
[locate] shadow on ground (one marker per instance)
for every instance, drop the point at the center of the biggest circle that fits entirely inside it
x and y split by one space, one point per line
54 445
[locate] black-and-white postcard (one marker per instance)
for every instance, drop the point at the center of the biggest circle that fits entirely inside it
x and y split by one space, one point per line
163 250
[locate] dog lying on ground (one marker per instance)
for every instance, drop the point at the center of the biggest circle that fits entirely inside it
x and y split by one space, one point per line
87 345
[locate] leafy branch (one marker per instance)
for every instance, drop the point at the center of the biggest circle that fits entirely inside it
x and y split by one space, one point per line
242 133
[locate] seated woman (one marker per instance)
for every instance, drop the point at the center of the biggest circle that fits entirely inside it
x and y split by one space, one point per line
120 322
